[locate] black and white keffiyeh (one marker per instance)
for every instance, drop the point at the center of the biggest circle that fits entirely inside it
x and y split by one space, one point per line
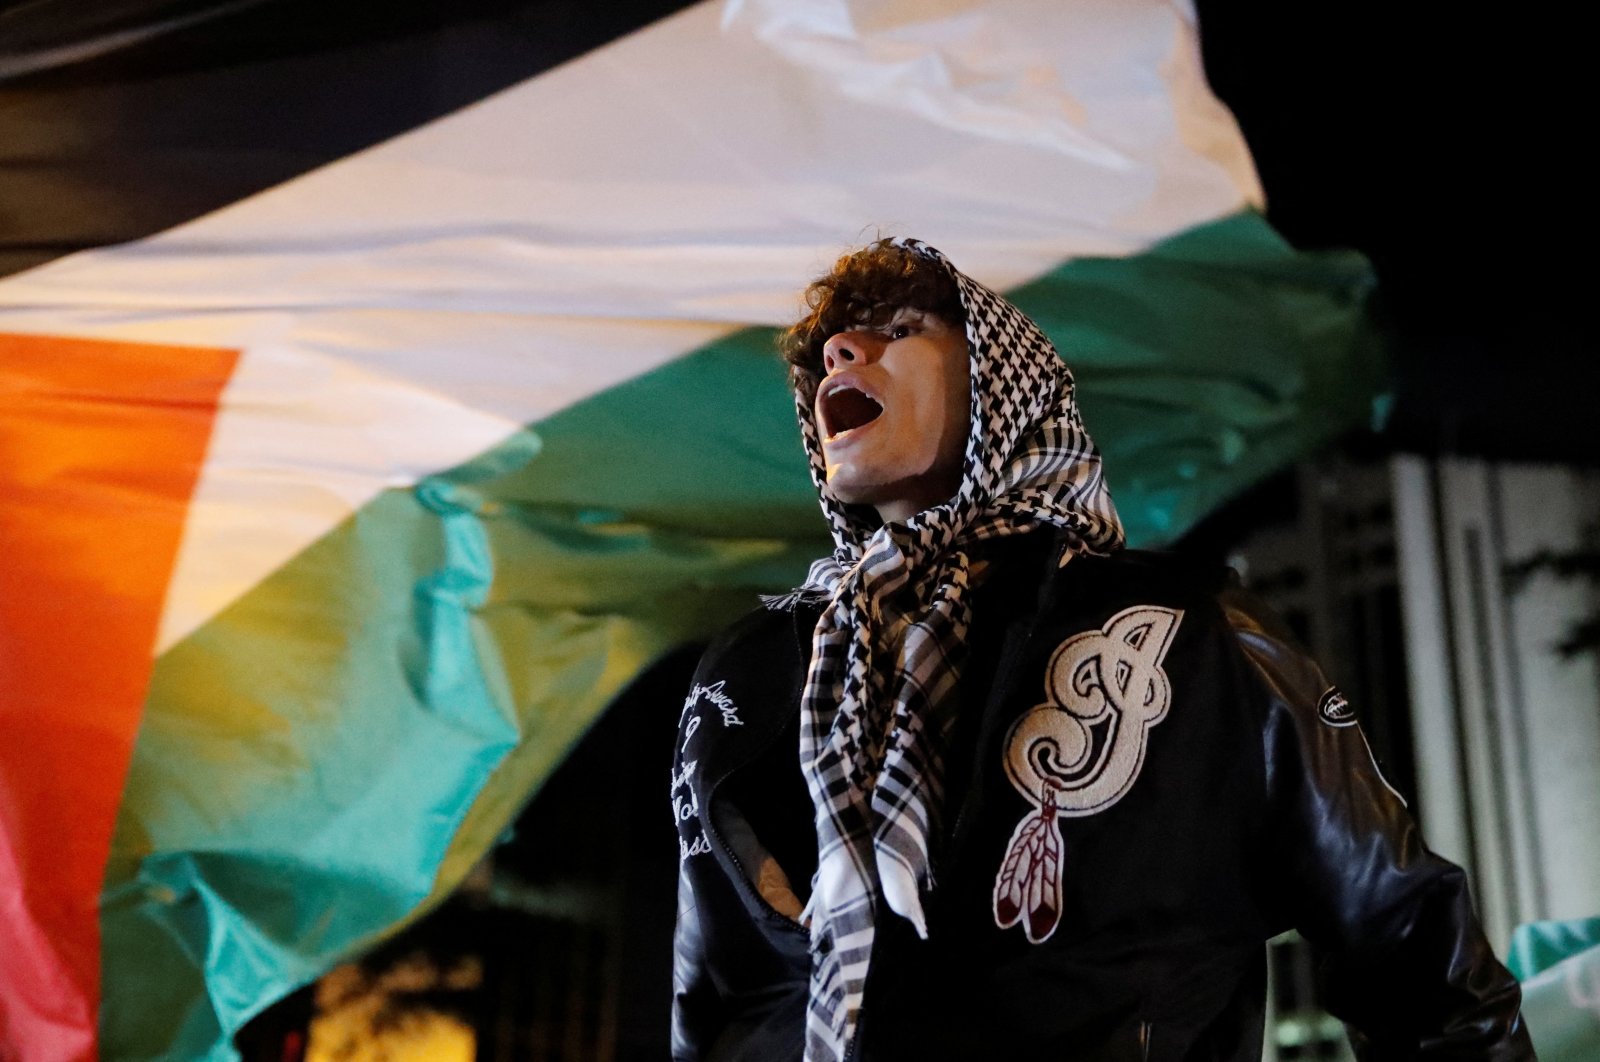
879 698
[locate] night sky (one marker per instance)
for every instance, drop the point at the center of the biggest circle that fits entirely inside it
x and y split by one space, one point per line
1448 147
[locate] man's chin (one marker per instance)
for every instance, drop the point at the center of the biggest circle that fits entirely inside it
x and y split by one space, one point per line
850 497
844 487
875 496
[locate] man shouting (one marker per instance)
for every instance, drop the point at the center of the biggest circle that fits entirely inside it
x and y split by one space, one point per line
989 783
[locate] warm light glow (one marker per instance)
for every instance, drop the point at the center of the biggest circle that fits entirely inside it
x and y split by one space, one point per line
347 1004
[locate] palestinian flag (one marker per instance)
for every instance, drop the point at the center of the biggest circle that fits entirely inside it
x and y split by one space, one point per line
381 390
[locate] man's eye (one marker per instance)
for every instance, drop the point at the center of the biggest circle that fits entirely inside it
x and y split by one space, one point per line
899 331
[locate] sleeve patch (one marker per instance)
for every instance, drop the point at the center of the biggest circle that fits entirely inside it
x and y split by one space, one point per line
1334 709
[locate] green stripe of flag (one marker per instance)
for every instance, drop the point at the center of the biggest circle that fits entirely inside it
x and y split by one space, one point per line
1211 360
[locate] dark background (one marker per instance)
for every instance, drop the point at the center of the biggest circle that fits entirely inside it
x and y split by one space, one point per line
1450 145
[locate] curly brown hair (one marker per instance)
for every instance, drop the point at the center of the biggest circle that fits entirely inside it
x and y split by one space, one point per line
865 289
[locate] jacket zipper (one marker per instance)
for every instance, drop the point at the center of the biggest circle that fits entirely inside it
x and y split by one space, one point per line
855 1042
746 883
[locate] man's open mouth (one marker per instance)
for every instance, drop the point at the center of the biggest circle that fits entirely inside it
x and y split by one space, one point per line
845 409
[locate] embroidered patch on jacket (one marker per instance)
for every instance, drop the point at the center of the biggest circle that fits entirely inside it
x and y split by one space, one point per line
1334 709
685 804
1080 752
716 696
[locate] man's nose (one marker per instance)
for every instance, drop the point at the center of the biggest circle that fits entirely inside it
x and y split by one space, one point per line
850 348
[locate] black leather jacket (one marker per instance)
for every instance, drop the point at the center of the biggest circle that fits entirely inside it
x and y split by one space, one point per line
1249 804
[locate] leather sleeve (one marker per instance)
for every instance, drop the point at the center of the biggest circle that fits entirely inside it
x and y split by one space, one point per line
1402 958
696 1005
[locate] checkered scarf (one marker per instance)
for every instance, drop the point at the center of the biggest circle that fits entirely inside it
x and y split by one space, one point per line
879 698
